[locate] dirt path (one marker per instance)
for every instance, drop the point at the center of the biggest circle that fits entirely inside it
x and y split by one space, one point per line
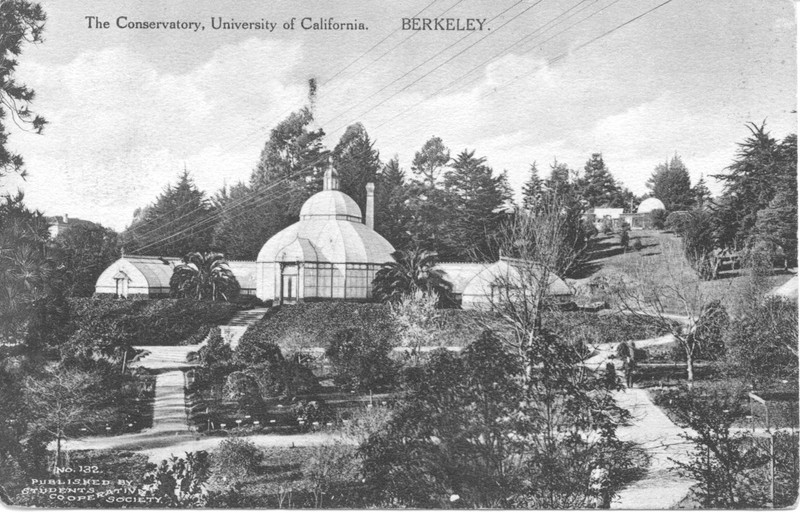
159 446
661 487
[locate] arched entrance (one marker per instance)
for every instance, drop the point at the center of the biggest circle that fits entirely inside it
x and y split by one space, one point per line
289 283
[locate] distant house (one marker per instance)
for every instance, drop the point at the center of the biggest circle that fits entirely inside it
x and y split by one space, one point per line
60 224
478 285
147 277
601 215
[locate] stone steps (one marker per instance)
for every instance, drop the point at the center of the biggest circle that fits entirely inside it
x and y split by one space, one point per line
169 404
247 317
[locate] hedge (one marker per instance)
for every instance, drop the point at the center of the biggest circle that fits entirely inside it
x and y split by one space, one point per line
144 322
315 325
307 325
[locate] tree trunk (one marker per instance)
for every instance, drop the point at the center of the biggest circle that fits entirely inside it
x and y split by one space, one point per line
689 369
58 452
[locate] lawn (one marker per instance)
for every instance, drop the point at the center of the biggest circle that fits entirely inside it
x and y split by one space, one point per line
661 259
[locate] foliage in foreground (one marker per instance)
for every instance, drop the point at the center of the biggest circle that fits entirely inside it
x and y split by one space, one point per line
731 467
470 434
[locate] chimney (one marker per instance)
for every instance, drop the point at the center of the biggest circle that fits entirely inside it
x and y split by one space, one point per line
369 215
330 182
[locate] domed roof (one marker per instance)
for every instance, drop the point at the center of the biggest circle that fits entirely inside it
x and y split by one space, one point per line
329 230
327 240
331 204
649 205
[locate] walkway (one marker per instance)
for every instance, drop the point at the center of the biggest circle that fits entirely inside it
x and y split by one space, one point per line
650 428
171 431
661 487
233 331
788 290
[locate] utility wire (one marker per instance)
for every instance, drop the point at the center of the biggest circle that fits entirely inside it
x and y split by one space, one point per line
549 62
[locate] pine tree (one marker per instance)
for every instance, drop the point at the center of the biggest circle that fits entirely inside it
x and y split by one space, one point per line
247 218
762 168
558 183
357 162
478 197
671 184
597 187
20 22
429 162
533 189
701 193
294 153
176 224
392 215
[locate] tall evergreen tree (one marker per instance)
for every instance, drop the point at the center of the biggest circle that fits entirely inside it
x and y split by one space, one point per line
671 184
763 166
288 172
701 194
83 252
392 215
177 223
429 162
25 269
478 197
357 162
533 188
597 187
20 22
248 218
293 152
558 183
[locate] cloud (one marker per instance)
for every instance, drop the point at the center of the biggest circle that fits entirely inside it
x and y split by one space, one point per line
121 127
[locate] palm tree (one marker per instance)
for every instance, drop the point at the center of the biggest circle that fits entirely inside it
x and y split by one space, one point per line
412 270
204 276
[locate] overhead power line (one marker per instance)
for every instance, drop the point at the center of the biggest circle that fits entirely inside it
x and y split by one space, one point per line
283 180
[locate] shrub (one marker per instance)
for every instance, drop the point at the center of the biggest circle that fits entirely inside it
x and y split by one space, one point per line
637 244
309 412
243 388
657 218
624 235
676 221
285 378
762 344
216 360
361 362
110 324
234 460
330 467
316 324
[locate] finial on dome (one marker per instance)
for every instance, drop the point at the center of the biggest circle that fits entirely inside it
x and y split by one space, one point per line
331 180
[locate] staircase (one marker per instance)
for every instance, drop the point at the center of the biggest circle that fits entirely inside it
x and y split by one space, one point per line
233 331
165 357
247 317
170 362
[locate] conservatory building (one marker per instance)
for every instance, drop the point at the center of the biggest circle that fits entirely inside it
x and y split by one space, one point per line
329 254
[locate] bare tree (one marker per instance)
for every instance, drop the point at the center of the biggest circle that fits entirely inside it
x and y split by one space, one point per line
63 399
540 245
663 291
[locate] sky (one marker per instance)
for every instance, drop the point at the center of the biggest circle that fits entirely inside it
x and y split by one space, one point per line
129 109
